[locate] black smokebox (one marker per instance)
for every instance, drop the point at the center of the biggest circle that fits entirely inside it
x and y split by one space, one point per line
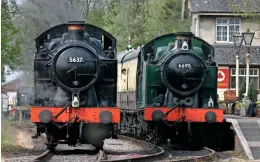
76 30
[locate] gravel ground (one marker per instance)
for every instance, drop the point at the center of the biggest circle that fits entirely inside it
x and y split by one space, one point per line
20 154
115 157
74 158
56 158
171 155
121 145
64 154
82 153
180 154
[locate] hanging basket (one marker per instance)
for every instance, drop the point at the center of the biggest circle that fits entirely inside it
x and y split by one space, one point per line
257 113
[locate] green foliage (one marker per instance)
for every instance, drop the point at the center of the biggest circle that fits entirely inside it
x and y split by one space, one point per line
10 47
7 133
252 91
34 17
238 105
125 18
143 20
258 105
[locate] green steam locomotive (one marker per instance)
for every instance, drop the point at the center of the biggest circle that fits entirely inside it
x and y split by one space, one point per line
167 92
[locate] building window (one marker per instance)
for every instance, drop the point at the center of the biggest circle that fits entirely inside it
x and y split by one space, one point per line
226 28
253 75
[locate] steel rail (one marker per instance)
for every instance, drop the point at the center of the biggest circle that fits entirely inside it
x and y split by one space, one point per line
45 156
100 156
207 157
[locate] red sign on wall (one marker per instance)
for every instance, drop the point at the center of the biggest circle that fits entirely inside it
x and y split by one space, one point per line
223 78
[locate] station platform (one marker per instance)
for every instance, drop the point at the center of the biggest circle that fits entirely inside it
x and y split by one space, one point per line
248 131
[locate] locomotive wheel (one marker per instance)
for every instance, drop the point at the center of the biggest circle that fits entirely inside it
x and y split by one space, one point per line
114 136
52 142
115 132
196 144
99 145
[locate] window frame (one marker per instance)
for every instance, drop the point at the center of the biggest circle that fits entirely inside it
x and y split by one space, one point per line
226 25
244 75
195 25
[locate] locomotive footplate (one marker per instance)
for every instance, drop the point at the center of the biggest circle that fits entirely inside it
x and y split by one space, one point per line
89 114
209 115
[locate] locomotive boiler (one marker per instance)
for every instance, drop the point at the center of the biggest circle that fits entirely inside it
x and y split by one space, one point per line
75 85
173 96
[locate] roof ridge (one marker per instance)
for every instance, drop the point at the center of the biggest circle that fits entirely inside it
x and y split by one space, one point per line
217 6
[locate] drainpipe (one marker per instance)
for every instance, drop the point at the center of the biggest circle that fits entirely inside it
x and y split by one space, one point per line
237 75
247 73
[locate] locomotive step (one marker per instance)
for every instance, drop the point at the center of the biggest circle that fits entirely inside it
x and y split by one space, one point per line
247 130
35 136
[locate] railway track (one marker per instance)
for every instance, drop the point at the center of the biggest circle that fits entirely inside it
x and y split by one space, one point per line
205 154
83 155
159 156
108 156
155 153
45 156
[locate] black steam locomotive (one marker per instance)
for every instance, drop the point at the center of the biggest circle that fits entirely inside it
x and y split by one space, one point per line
75 85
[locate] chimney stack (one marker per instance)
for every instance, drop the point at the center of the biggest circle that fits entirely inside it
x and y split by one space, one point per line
76 30
184 40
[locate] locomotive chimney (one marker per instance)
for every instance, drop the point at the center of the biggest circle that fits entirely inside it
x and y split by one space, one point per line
76 30
184 41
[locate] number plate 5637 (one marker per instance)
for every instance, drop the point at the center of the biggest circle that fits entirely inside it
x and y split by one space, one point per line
76 59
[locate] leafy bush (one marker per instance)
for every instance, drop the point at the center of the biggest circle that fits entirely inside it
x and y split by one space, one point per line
238 105
258 105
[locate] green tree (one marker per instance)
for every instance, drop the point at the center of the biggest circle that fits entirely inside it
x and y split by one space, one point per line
35 17
10 46
94 11
164 17
119 20
143 20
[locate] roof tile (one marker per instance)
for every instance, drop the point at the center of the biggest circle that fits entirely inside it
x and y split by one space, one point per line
225 55
220 6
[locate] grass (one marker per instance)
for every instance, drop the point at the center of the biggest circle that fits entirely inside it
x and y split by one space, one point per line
7 134
8 131
9 145
9 128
